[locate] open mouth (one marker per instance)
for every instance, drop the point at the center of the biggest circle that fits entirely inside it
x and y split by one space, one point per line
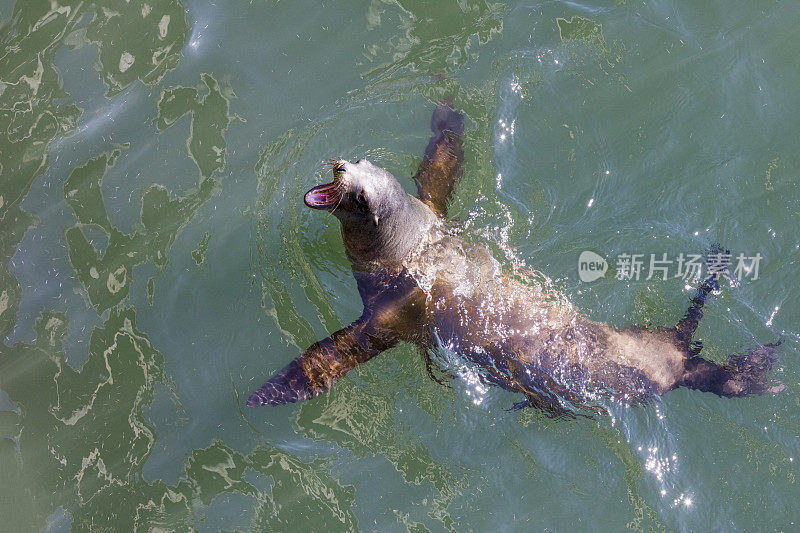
327 196
323 196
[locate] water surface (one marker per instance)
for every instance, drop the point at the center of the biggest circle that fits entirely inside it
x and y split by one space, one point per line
158 264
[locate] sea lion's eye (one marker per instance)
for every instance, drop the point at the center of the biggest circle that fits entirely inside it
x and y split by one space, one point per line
361 198
359 161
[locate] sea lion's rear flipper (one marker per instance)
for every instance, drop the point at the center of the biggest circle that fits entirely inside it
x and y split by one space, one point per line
323 363
442 163
715 257
688 324
741 375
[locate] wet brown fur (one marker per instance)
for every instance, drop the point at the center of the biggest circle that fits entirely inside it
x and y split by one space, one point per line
523 336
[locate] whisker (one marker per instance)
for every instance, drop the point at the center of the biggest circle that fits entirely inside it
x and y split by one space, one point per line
340 194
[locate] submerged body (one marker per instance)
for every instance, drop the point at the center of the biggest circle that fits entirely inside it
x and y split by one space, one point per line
425 284
528 337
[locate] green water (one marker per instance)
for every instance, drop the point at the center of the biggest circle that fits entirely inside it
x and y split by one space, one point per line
158 264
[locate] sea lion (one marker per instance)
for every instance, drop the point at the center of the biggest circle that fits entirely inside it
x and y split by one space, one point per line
421 282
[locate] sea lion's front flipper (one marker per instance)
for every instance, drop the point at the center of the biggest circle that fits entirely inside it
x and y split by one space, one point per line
441 165
323 363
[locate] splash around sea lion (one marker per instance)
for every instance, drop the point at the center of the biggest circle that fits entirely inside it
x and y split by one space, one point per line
422 282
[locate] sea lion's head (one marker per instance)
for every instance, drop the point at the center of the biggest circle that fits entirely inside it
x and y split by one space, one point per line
380 221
